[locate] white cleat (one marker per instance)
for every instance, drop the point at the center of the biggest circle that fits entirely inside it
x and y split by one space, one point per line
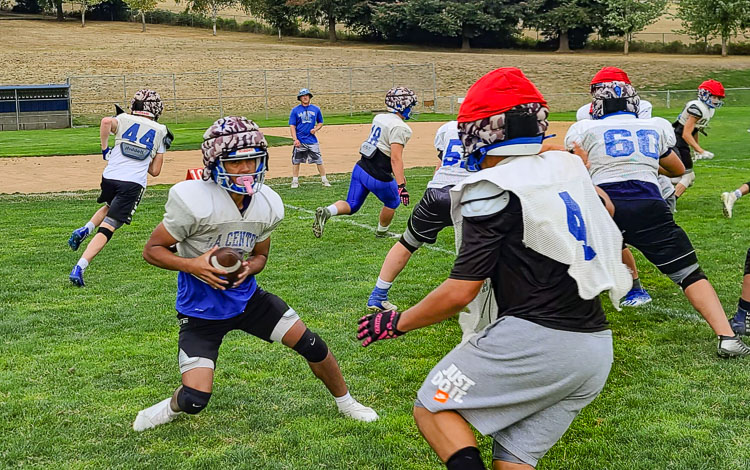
295 184
161 413
326 184
728 199
356 410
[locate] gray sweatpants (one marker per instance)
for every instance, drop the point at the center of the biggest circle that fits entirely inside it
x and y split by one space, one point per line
520 382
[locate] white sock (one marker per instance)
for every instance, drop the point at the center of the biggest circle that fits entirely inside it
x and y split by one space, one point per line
383 229
90 226
343 399
170 411
324 179
295 179
738 193
332 209
83 263
381 284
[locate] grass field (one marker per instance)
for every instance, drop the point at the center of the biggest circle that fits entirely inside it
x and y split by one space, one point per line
76 365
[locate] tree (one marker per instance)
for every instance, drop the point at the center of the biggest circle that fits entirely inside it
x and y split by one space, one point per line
142 6
555 18
325 12
275 12
211 6
631 16
85 4
707 18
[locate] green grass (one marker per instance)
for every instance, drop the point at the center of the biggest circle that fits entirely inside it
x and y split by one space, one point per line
76 365
188 136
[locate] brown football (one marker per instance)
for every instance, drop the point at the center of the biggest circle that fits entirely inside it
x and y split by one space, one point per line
229 260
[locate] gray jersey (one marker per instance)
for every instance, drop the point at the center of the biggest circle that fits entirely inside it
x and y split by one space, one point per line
699 110
622 147
453 169
386 129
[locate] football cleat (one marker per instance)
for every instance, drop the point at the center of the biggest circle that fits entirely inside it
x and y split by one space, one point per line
76 276
379 234
378 301
728 200
355 410
78 236
161 413
740 323
322 214
635 298
295 184
326 184
732 346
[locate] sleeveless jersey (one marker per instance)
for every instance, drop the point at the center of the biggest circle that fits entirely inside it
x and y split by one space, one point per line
698 109
453 169
563 218
622 147
201 215
137 140
644 111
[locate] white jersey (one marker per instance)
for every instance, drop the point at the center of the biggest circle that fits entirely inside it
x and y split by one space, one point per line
622 147
201 215
563 217
453 169
137 140
698 109
386 129
644 111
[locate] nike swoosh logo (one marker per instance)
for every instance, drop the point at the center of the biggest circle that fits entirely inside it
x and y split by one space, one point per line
313 342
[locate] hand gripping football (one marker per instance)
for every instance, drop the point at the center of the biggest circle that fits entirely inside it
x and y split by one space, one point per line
228 259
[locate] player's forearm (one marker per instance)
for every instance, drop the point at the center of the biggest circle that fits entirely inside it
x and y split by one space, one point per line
293 132
397 166
161 257
687 135
105 128
256 263
443 302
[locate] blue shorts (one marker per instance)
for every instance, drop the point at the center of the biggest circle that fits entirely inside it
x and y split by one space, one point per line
363 184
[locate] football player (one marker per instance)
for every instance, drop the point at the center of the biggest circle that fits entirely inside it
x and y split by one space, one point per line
230 207
611 74
526 221
625 155
431 215
140 143
741 320
380 170
694 118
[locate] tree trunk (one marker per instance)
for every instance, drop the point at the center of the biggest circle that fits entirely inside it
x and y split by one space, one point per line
214 12
465 44
627 44
723 45
564 42
83 15
143 21
58 5
331 27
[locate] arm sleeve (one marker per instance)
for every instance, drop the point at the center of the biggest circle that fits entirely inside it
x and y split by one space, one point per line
319 116
179 220
478 255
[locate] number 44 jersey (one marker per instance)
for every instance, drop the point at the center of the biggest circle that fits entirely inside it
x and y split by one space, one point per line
137 140
623 147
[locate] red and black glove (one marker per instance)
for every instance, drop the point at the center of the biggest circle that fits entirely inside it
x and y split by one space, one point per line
403 194
377 326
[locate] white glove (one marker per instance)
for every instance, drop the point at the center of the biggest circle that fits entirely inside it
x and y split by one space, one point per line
706 155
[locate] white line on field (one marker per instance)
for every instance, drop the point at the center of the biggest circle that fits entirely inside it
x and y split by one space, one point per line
349 221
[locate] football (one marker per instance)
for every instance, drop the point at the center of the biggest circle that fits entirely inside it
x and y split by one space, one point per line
229 260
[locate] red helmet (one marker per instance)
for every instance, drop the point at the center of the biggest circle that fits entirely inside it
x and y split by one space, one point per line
497 92
610 74
714 87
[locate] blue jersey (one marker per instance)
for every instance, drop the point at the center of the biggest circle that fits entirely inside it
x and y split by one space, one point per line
304 118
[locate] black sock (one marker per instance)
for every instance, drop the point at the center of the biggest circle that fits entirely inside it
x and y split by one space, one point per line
467 458
637 283
744 304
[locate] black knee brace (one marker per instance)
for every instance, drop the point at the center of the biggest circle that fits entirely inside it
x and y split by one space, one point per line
311 347
692 278
107 232
406 244
747 262
192 401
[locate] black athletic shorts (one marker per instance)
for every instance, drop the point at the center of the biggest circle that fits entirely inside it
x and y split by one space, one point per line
122 197
431 215
648 225
264 311
683 151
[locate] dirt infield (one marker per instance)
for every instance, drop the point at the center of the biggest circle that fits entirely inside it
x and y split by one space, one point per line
339 145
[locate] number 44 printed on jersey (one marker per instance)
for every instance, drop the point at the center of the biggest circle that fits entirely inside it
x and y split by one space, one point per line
139 146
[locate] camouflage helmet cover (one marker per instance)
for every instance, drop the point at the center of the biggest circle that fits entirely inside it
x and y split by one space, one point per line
615 90
152 104
227 135
399 98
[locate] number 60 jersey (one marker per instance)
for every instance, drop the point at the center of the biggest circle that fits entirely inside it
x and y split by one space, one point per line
622 147
137 141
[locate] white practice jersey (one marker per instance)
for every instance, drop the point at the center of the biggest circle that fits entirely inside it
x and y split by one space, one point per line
386 129
622 147
137 141
698 109
201 214
453 167
644 111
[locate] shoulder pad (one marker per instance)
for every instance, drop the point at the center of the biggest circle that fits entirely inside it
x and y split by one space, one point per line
483 198
275 204
694 110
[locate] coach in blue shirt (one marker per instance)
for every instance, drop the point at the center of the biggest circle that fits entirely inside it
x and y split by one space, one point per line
304 122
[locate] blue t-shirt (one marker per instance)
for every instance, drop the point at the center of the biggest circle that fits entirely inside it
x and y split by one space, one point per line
304 118
197 299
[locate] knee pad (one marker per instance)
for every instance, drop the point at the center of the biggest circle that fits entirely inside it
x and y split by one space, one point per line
693 277
311 347
747 263
687 179
115 223
409 241
106 232
192 401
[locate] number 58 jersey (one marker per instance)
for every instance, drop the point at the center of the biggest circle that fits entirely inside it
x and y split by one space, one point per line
623 147
137 140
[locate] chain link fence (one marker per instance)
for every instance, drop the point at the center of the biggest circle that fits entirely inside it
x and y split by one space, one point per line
257 93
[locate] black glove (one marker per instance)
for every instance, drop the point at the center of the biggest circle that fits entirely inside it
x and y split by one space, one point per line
377 326
168 139
403 194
